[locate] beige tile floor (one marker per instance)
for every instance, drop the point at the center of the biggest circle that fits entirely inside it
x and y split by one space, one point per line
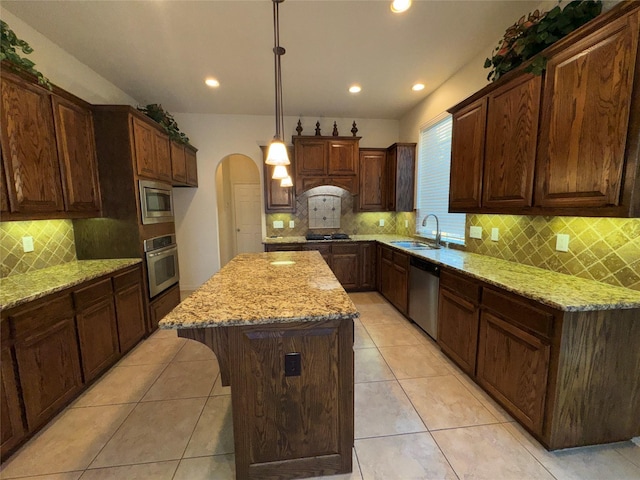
161 413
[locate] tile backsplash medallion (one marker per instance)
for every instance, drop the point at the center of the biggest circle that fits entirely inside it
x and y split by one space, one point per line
53 243
602 249
350 222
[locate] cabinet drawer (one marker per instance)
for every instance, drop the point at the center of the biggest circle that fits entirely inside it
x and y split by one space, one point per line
29 321
125 279
283 247
88 295
518 312
323 248
462 286
344 249
401 259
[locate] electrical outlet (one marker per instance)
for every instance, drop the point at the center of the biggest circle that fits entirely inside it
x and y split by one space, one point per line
475 232
381 222
27 244
495 234
562 242
292 224
278 224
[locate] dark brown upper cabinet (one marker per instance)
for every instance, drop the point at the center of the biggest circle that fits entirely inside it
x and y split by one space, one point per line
326 161
400 171
566 143
48 152
373 162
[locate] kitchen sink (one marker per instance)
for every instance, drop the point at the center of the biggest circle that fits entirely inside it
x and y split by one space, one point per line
414 245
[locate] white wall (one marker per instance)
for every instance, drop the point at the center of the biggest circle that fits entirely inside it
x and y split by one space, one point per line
65 70
217 136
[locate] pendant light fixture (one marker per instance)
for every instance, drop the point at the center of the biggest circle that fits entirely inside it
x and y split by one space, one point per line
286 182
280 172
277 154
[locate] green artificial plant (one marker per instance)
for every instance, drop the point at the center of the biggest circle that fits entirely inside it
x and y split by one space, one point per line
166 120
8 43
529 36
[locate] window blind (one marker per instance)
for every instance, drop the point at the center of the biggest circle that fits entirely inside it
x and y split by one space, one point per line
434 165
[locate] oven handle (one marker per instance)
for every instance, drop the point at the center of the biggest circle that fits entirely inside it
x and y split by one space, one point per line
163 252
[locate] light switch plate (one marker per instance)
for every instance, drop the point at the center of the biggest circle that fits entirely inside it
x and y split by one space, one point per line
562 242
27 244
495 234
278 224
475 232
292 224
406 224
381 222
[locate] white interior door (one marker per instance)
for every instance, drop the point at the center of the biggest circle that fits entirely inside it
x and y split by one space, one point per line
247 217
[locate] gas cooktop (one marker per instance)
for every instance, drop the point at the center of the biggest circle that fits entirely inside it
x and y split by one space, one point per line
332 236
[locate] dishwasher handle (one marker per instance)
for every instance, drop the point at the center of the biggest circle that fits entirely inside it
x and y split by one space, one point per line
426 266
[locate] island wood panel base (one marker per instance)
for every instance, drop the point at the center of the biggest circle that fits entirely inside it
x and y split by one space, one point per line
288 426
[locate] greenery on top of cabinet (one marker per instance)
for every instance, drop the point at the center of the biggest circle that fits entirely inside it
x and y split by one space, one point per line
8 43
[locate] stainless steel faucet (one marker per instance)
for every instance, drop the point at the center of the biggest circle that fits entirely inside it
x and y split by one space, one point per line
438 234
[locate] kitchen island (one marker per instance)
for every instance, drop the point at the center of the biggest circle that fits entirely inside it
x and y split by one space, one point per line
281 327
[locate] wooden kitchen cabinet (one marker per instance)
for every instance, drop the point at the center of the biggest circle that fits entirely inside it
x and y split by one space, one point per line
47 354
326 161
400 176
458 319
345 263
29 148
162 149
394 277
192 165
128 295
367 265
512 128
11 426
163 304
143 141
178 164
97 330
588 159
582 157
372 180
325 250
278 199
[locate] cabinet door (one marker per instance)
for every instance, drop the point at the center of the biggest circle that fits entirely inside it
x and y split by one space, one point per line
513 366
77 154
143 140
162 305
372 181
401 164
162 152
98 336
343 157
512 129
311 156
345 265
29 148
467 157
48 359
129 308
400 280
386 273
391 171
323 248
178 164
4 193
367 266
277 199
192 167
586 105
458 321
11 424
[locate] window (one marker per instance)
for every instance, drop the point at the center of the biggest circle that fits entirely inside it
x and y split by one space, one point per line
434 164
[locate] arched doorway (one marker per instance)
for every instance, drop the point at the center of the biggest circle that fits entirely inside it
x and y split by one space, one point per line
239 196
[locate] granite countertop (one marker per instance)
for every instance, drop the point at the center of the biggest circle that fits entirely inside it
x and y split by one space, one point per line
557 290
19 289
254 288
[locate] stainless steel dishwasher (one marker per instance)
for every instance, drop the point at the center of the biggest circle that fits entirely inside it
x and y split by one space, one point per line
424 279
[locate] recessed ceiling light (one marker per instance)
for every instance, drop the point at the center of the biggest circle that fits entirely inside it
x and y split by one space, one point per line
399 6
355 88
417 87
212 82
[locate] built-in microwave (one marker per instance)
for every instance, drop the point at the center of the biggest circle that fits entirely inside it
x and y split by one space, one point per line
156 202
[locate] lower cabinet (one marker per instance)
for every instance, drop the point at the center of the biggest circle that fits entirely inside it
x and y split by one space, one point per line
353 263
458 319
53 347
163 304
394 277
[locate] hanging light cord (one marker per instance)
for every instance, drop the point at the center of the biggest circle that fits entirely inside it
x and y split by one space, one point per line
278 51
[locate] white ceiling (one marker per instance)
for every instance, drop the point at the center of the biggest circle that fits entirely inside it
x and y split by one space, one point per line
160 51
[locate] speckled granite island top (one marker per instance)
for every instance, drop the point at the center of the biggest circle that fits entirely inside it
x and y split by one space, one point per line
274 287
19 289
557 290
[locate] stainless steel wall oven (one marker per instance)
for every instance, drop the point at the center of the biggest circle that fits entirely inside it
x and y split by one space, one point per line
162 263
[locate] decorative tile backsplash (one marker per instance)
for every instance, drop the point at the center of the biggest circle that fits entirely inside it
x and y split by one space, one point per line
602 249
53 241
325 211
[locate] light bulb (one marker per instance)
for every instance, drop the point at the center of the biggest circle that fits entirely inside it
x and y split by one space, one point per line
280 172
277 154
399 6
